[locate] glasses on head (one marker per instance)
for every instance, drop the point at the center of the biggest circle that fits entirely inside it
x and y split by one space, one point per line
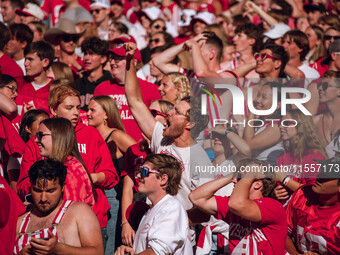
39 135
69 38
154 113
324 85
145 171
96 11
329 37
155 40
262 56
12 88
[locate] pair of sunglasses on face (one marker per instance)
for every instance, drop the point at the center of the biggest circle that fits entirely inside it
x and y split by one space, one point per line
145 171
39 135
324 85
154 113
69 38
263 56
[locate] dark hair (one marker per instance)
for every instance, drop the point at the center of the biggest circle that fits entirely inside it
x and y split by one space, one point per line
27 120
286 8
47 170
216 42
238 20
16 4
158 19
167 37
95 45
253 32
43 50
22 33
279 53
5 35
6 79
170 166
301 40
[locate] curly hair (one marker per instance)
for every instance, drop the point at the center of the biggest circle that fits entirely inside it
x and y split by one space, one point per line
180 80
170 166
95 45
307 137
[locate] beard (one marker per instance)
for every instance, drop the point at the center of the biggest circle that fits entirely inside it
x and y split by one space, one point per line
174 131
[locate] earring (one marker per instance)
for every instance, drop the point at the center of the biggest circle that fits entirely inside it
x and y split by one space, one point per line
105 122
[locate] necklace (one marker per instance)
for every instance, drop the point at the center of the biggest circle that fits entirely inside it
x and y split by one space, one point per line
330 130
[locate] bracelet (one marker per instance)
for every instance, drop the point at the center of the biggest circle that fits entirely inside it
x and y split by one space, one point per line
228 130
123 223
285 180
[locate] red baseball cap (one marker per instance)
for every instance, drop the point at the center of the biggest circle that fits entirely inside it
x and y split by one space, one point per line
123 38
119 50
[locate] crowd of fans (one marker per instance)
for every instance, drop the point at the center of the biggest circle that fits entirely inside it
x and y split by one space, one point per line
102 131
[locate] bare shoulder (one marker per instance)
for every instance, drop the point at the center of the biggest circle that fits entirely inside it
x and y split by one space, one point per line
80 208
317 118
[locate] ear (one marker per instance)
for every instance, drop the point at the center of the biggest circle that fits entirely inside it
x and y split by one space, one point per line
333 56
258 185
164 180
28 129
53 112
103 59
23 44
45 62
212 53
277 64
251 41
190 125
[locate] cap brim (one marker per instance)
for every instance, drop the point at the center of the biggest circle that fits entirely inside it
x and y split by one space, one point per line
23 13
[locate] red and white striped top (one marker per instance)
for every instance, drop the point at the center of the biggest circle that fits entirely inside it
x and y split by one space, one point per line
25 238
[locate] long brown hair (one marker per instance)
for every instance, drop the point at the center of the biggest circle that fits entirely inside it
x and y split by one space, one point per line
110 107
306 139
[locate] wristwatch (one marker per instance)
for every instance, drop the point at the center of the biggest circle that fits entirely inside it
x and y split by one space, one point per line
229 129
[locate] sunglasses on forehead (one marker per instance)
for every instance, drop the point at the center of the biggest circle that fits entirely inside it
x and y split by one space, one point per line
145 171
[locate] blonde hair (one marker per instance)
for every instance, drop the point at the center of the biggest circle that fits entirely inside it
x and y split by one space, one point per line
320 49
58 95
307 137
164 105
110 107
62 70
180 80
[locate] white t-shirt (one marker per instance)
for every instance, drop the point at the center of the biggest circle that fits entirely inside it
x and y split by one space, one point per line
162 145
21 63
164 228
310 74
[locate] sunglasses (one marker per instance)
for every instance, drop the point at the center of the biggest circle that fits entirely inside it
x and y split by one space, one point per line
154 113
329 37
145 171
287 123
155 40
262 56
69 38
12 88
157 26
116 58
96 11
39 135
324 85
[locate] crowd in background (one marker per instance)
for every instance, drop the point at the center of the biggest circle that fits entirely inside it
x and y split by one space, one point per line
100 86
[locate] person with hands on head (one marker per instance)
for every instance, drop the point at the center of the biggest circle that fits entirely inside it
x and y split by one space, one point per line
56 226
164 228
256 221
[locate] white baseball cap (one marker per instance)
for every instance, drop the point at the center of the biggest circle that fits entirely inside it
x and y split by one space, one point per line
101 3
277 31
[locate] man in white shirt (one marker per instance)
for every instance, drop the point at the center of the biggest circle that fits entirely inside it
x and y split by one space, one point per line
164 227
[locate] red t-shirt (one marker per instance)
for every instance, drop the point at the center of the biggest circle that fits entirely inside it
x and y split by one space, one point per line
28 95
11 208
313 227
96 156
133 159
116 91
247 237
304 172
10 67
